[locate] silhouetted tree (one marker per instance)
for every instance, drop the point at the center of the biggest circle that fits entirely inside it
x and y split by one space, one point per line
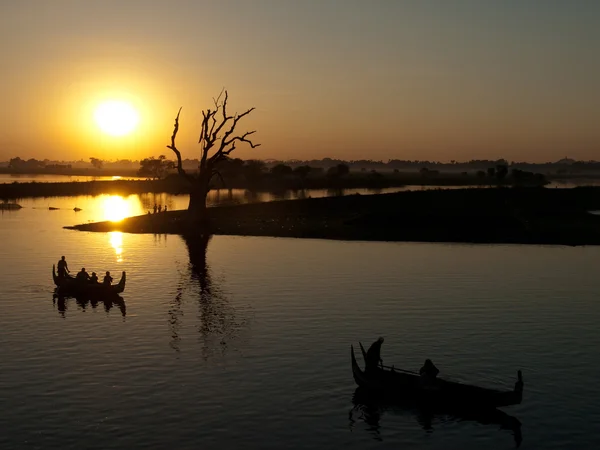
155 167
338 170
218 135
254 170
302 171
281 170
96 163
491 172
343 169
501 172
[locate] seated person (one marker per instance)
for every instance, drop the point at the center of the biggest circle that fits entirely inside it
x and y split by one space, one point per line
428 373
82 275
94 278
107 279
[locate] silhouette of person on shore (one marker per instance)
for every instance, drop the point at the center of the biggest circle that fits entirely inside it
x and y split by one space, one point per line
94 278
82 276
374 356
62 267
155 208
165 210
159 208
107 279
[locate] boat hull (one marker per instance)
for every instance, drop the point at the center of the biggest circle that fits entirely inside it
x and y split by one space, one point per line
70 287
409 387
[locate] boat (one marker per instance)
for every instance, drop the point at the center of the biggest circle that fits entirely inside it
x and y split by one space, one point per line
398 383
10 206
69 287
53 208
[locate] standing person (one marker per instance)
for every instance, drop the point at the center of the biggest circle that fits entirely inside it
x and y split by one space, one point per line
159 208
155 208
165 210
62 267
94 278
107 279
373 358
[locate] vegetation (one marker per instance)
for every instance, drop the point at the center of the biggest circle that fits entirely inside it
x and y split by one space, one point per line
96 163
217 135
155 168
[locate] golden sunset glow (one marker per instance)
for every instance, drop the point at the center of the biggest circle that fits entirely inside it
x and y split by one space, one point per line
116 118
116 241
115 208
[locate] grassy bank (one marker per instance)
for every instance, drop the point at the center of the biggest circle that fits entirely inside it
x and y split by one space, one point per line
508 215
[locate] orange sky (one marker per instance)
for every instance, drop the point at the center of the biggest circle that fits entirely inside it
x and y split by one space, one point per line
335 78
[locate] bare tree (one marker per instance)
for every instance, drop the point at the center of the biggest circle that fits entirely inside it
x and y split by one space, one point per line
218 138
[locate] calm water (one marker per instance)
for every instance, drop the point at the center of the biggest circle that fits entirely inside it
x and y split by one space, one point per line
254 351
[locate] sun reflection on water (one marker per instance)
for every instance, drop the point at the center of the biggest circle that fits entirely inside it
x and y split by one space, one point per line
116 240
115 208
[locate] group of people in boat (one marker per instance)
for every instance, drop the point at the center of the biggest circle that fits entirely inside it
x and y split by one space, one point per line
82 276
428 372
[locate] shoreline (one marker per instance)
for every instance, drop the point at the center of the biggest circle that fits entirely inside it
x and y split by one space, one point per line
487 216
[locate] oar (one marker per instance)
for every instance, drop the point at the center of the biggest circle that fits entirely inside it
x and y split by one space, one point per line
399 370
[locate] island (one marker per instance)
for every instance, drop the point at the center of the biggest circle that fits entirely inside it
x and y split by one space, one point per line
472 215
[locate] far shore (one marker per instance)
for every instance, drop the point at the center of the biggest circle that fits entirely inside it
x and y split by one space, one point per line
503 215
174 184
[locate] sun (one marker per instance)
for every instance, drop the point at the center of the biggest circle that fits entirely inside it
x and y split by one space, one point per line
116 117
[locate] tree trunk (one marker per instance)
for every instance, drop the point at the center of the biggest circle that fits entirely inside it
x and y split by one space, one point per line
198 213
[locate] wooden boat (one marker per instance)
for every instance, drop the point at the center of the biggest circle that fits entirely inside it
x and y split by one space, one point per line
69 286
10 206
399 383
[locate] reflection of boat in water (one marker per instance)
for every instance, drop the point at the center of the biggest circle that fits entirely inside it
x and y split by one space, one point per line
10 206
83 302
397 383
69 286
369 407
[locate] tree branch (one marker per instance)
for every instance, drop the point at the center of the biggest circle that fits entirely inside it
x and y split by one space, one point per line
173 147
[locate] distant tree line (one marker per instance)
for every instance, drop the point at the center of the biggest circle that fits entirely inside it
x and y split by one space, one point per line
562 167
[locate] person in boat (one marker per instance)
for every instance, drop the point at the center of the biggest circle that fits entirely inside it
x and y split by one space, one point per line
82 275
428 373
62 267
94 278
373 357
107 279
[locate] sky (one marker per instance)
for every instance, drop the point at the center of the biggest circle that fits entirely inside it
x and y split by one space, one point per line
349 79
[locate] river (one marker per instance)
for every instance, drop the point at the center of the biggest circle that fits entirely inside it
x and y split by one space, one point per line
250 349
